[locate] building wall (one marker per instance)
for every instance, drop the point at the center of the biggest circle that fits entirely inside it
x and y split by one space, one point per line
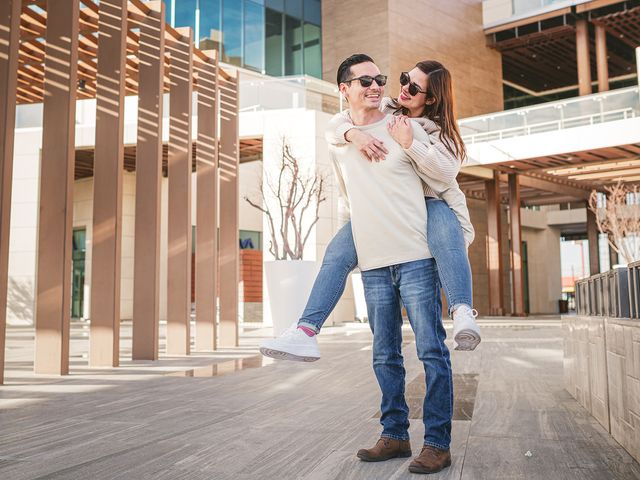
433 30
349 27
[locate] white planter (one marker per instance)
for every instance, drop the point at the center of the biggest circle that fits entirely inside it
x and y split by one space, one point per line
288 283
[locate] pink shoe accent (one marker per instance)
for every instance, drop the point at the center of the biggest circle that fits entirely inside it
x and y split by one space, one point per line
307 330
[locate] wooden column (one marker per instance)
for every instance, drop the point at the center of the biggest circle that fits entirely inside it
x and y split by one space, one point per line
207 204
108 164
582 55
592 236
179 225
146 270
9 44
494 237
601 58
53 295
229 159
516 246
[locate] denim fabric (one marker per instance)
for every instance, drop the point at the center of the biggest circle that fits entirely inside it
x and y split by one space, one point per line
447 246
417 285
339 260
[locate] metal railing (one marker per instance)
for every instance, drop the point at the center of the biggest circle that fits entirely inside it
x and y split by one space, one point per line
620 104
609 294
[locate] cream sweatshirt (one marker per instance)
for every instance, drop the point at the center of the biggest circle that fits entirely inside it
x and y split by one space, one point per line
385 200
435 165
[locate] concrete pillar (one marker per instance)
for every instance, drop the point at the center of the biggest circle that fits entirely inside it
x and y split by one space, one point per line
207 204
9 44
53 295
601 59
146 272
229 160
108 164
516 246
179 225
494 247
582 56
592 235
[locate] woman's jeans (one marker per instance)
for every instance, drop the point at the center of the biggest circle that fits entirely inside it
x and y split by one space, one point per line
446 243
418 286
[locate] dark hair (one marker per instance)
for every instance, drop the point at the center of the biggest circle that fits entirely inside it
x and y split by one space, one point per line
440 88
344 70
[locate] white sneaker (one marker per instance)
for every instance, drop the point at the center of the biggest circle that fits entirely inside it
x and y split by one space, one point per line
466 332
293 344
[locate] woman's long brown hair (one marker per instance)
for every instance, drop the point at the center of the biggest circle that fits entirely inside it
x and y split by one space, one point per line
440 88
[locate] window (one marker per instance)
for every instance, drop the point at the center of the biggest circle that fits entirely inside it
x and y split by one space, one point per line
210 35
312 50
185 13
274 43
254 28
293 46
232 32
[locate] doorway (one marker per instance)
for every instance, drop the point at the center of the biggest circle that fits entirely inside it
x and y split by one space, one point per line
79 252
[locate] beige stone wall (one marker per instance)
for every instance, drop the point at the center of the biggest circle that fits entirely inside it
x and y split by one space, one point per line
399 33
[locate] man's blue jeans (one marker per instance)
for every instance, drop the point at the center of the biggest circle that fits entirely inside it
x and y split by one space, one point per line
446 243
417 285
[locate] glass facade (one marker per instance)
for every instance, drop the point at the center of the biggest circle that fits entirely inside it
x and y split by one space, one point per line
276 37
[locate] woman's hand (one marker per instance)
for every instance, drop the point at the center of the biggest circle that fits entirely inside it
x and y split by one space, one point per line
400 129
372 148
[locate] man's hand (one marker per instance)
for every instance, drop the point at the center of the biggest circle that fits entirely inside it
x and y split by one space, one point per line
372 148
400 129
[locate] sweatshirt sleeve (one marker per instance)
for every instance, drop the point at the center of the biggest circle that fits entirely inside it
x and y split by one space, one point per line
339 124
432 158
344 208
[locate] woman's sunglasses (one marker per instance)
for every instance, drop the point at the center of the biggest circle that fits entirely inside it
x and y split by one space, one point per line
367 80
414 89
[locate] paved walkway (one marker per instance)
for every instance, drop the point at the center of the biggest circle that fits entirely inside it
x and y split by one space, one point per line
230 416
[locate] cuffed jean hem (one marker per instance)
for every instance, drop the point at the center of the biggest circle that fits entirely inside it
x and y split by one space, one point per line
395 437
456 305
310 326
436 445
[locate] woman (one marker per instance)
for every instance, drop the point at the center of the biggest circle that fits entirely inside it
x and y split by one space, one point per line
426 97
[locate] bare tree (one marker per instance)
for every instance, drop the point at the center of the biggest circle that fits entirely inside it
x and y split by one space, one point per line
618 215
290 198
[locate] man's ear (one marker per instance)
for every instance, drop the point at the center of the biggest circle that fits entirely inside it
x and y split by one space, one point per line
343 89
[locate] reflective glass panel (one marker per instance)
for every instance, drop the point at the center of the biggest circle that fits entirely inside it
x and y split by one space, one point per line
210 34
312 12
274 45
232 32
292 46
254 35
294 8
185 11
312 50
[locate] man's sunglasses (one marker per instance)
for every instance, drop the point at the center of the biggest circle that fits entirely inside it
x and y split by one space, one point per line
367 80
414 89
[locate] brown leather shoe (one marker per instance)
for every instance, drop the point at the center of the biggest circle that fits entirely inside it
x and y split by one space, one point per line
430 460
385 449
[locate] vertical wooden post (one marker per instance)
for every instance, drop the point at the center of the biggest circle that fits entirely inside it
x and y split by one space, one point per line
207 204
146 283
592 236
9 44
494 238
180 158
53 295
601 58
516 246
104 340
229 160
582 56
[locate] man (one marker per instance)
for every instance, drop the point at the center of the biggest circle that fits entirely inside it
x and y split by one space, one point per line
389 224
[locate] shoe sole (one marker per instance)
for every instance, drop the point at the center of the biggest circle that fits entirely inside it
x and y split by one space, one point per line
369 459
281 355
413 469
467 340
